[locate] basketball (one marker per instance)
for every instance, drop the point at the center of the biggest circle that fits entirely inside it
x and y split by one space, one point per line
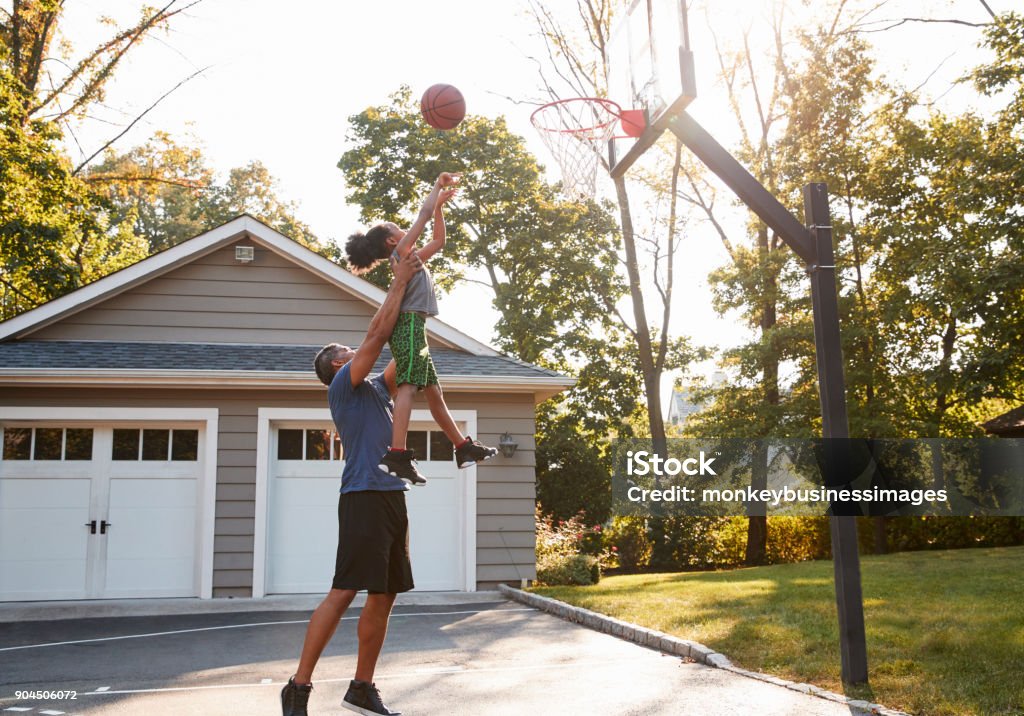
443 106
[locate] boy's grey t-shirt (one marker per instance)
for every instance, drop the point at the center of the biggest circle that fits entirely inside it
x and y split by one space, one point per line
363 416
419 293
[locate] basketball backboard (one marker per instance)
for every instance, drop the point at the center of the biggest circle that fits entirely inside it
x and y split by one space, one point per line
650 67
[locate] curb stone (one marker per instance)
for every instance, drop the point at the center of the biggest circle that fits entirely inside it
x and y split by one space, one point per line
668 644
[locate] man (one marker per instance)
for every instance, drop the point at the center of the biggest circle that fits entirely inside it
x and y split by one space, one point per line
373 527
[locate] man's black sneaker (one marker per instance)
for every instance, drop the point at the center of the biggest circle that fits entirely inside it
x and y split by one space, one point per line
472 452
363 698
294 698
402 463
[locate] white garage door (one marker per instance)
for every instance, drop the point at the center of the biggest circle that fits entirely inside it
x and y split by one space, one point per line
99 511
302 531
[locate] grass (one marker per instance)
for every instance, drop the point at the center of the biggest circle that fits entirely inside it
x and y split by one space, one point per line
945 630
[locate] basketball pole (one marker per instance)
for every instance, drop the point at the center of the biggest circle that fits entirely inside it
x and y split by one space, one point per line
813 244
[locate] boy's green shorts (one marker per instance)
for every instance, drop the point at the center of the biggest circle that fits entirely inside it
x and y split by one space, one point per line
410 351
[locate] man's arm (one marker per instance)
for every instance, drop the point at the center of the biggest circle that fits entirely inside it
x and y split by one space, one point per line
383 322
413 234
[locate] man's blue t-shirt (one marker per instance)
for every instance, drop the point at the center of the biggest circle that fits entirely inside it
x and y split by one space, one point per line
363 416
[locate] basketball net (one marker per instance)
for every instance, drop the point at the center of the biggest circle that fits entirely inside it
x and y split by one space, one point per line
576 131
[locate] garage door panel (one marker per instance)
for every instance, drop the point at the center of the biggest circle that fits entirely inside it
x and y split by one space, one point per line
151 543
43 538
435 532
142 493
303 534
151 532
302 527
150 577
50 579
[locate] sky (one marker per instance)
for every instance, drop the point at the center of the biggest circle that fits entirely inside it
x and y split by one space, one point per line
280 80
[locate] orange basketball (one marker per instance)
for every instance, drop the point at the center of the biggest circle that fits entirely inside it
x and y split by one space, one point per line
443 106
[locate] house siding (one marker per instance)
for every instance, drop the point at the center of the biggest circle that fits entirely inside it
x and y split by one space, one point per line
505 486
214 299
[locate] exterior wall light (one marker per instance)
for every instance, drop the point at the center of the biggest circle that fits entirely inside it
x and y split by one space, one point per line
507 445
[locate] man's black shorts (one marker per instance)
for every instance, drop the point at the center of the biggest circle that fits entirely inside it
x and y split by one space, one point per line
373 542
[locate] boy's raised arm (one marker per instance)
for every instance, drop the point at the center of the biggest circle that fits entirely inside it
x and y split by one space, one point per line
413 234
440 232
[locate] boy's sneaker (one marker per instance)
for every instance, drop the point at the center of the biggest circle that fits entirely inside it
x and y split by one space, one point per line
402 463
363 698
471 452
294 698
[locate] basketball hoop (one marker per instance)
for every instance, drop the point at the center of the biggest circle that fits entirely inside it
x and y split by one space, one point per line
577 131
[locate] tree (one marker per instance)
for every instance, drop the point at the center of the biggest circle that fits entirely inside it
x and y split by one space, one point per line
577 59
28 31
172 194
54 234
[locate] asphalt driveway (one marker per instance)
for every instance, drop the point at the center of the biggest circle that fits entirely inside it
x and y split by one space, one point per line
494 658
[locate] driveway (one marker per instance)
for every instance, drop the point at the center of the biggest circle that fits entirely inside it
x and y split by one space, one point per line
455 659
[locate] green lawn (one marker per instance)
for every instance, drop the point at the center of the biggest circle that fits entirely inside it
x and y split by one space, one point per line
945 630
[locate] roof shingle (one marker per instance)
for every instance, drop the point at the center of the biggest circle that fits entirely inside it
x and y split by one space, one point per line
230 357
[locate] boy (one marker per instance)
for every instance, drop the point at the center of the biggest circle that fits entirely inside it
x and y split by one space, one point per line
415 368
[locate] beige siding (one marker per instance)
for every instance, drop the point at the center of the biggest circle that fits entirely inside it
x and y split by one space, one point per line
505 486
216 300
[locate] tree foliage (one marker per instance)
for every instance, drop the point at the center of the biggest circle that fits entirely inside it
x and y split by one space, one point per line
170 193
54 233
63 226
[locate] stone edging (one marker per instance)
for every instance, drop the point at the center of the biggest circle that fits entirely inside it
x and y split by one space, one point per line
678 647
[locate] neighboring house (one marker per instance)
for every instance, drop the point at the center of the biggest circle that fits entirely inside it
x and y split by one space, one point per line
164 434
1007 425
681 404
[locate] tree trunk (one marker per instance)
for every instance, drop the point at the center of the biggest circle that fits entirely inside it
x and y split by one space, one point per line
648 368
881 538
757 527
945 368
757 520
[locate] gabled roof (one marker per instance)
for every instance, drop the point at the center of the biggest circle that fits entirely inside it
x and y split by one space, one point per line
169 259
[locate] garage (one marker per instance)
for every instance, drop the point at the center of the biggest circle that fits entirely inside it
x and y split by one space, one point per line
216 335
304 465
94 511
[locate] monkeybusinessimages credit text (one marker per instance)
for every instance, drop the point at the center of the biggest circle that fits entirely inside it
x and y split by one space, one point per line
808 477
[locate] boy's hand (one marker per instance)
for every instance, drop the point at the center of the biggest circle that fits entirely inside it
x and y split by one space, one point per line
443 197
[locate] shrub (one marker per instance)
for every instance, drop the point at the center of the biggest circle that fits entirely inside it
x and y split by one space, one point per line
799 539
683 542
555 569
626 538
569 552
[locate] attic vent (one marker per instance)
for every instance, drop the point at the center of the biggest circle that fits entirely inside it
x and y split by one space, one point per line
245 254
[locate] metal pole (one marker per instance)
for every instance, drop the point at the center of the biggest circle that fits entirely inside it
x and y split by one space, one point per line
832 390
814 246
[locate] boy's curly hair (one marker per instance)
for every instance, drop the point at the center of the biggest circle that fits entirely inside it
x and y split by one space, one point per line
365 250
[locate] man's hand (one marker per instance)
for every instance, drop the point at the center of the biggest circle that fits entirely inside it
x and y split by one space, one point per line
448 179
405 268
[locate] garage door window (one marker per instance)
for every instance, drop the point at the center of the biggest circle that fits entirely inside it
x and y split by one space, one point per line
293 444
155 444
430 445
47 443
